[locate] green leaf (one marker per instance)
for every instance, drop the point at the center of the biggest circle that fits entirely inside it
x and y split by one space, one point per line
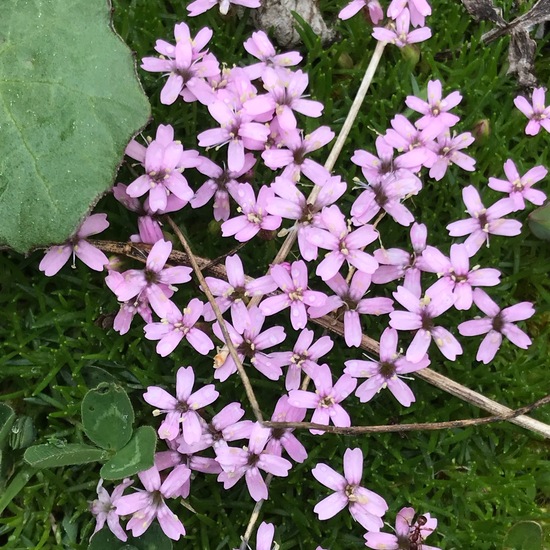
69 103
22 433
16 486
524 535
107 416
152 539
53 456
7 418
137 456
539 222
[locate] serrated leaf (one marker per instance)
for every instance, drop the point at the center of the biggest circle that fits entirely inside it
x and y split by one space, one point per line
69 103
135 457
107 416
153 539
68 454
524 535
539 222
7 418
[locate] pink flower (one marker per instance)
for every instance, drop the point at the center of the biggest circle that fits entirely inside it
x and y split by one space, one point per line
456 276
399 33
152 281
435 110
260 47
448 152
386 372
186 65
304 357
483 221
296 294
419 9
407 534
200 6
498 322
537 113
57 256
420 317
351 298
254 215
519 187
174 327
104 509
326 398
148 504
163 159
248 462
344 245
365 506
355 6
181 411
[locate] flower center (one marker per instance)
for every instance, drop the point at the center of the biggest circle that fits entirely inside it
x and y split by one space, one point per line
326 402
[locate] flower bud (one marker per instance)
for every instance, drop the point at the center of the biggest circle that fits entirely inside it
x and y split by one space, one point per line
482 130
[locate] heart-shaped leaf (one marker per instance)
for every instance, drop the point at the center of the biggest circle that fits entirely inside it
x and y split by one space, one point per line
137 456
107 416
69 104
68 454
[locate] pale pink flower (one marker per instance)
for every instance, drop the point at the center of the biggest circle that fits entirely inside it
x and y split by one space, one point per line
326 398
420 317
498 322
519 188
364 505
483 221
200 6
181 411
399 32
248 462
104 509
537 113
148 504
57 256
385 373
448 152
408 533
355 6
419 10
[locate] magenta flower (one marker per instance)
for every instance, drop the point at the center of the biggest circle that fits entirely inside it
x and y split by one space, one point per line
355 6
400 33
291 154
260 47
200 6
284 438
304 357
435 110
57 256
386 372
152 281
292 204
248 462
187 66
483 221
396 263
448 152
104 509
250 343
344 245
148 504
181 411
351 298
326 398
296 294
498 322
364 505
420 317
456 276
408 533
175 326
218 185
254 215
519 188
163 159
537 113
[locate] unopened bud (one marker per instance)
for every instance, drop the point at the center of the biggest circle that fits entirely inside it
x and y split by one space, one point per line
345 61
411 54
214 227
482 130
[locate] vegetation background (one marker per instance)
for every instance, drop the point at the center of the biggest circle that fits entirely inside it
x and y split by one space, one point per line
477 481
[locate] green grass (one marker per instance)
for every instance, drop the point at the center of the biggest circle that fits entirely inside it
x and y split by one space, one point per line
477 481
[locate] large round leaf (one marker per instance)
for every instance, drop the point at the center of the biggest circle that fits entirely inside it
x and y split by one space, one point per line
69 103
